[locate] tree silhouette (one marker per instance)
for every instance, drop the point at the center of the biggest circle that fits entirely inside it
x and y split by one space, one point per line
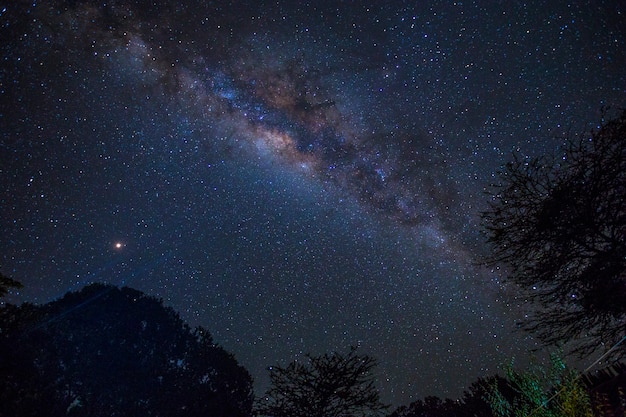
330 385
106 351
560 225
473 403
6 283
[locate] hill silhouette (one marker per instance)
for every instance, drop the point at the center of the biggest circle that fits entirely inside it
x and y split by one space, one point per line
106 351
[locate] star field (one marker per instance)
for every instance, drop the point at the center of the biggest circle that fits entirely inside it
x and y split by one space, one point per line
296 178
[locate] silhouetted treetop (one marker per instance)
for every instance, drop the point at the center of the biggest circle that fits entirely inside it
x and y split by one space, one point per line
473 403
6 283
559 224
329 385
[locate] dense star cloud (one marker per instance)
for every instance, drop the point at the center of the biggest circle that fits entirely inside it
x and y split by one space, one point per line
295 178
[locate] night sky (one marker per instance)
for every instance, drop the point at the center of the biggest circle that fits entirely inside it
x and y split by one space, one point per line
294 176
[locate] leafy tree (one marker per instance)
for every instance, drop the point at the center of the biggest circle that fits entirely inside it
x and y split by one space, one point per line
473 403
556 392
330 385
6 283
106 351
430 406
560 225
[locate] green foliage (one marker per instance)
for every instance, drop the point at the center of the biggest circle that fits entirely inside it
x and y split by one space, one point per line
552 392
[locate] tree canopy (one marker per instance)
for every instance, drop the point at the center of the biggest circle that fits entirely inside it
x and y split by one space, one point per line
559 224
6 283
330 385
555 391
473 403
105 351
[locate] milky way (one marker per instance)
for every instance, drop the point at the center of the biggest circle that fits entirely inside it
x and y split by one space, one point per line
294 178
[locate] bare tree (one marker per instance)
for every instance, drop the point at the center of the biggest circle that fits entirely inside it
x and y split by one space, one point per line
331 385
559 224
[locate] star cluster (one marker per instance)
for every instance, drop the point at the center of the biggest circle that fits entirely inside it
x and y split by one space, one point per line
295 178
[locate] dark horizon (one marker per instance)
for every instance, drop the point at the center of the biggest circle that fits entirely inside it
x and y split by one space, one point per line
295 179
